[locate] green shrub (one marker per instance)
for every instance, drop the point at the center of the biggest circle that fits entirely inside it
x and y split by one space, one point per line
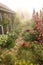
11 40
28 36
3 40
8 41
18 30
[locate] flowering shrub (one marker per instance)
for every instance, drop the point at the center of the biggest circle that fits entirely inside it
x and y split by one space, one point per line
33 35
38 20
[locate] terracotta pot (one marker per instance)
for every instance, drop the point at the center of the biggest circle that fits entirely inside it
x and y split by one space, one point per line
26 44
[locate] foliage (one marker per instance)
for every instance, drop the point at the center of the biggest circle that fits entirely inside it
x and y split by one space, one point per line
3 40
5 22
18 30
23 62
36 34
8 41
33 53
7 59
38 20
11 40
28 36
16 20
37 53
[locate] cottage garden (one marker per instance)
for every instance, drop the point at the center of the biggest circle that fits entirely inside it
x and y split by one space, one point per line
23 47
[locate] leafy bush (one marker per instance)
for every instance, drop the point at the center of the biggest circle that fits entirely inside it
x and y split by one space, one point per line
7 41
28 36
17 30
11 40
3 40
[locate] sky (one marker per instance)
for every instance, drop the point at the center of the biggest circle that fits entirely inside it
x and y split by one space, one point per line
26 5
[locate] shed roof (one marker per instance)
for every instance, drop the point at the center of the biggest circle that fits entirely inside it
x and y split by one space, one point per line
5 8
